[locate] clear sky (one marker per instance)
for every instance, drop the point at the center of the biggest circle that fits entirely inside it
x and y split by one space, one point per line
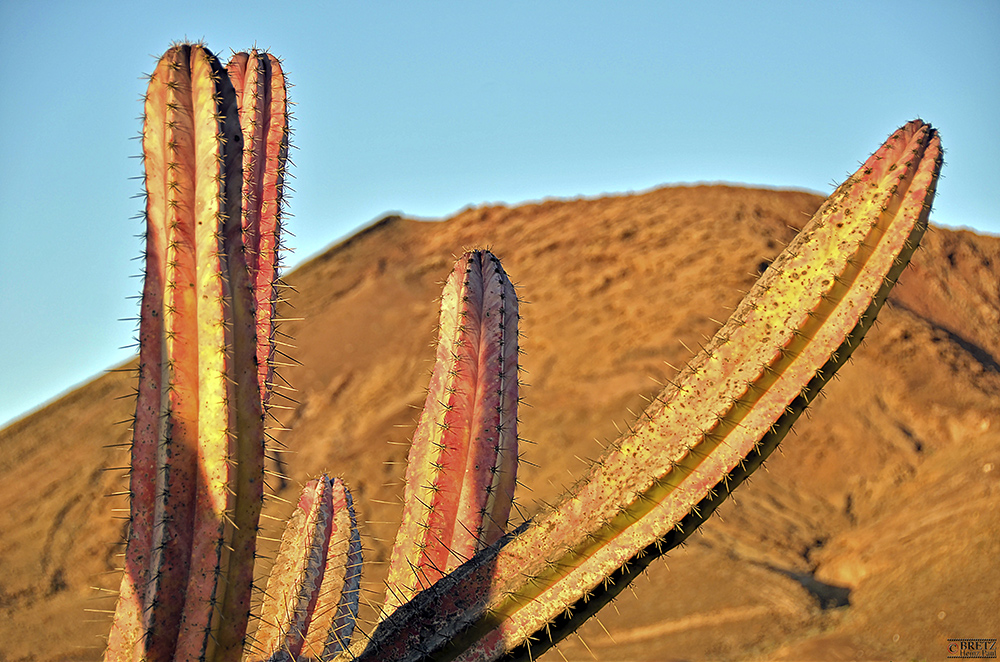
427 107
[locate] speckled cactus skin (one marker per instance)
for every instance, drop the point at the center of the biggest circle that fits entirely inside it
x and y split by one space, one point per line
460 588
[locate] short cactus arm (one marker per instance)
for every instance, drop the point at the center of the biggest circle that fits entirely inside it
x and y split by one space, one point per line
311 601
719 419
462 465
333 621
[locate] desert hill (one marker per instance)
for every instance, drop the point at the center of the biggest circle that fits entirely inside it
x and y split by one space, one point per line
874 534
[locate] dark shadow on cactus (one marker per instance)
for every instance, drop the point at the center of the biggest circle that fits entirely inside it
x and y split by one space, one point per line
440 599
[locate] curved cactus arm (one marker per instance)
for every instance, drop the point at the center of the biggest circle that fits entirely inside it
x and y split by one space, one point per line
195 499
462 466
311 602
719 419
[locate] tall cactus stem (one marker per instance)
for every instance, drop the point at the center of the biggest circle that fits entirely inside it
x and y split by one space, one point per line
198 413
262 97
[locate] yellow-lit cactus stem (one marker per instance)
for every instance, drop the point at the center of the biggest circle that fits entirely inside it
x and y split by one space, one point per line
198 413
462 465
311 603
718 420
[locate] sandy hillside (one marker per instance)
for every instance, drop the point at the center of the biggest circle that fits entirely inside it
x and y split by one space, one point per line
873 534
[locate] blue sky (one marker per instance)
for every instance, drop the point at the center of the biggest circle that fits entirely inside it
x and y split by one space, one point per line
426 107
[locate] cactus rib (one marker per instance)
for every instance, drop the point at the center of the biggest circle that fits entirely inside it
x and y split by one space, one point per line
463 460
730 406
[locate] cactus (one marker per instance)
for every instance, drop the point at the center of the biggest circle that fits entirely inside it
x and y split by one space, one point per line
463 461
198 438
704 434
311 602
459 589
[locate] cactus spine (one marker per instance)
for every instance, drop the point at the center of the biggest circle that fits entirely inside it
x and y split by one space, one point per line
311 601
463 460
721 417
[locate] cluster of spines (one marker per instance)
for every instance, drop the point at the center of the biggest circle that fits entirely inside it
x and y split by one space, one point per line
462 466
311 602
718 420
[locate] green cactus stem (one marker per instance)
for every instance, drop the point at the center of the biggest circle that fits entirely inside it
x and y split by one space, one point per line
197 449
311 602
718 420
462 465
